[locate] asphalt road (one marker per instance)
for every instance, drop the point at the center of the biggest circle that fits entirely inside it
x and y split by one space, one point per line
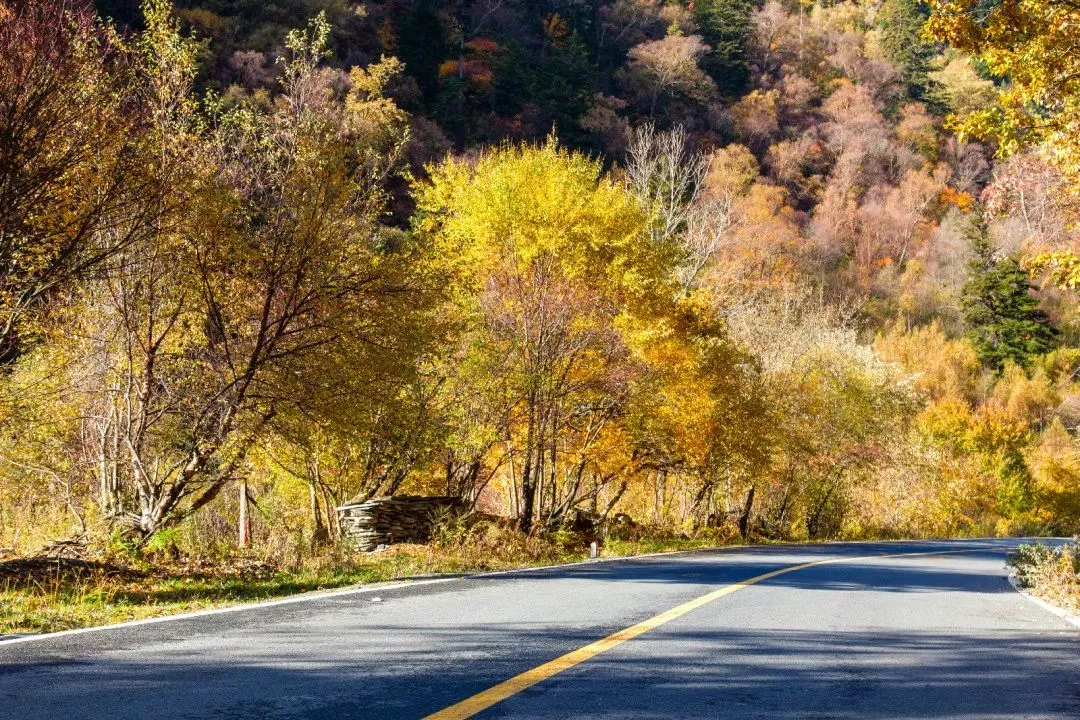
926 636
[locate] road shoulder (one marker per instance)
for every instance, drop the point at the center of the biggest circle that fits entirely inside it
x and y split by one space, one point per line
1066 615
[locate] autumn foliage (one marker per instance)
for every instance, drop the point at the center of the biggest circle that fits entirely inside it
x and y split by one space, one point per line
663 268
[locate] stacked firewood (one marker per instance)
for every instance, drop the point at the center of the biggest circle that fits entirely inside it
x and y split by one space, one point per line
393 519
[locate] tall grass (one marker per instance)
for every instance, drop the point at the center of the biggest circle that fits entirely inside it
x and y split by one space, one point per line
1050 573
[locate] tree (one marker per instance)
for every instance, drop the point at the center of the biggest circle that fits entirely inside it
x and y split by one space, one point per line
1032 43
755 118
269 270
839 409
725 26
554 267
702 412
666 175
667 69
71 153
943 367
960 89
901 23
1004 320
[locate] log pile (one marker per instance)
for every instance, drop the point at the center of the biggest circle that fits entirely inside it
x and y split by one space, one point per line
396 519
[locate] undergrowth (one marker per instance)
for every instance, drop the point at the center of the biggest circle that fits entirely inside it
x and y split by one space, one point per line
45 595
1050 573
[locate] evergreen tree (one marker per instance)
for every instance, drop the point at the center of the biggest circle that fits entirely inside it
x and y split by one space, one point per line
901 23
560 87
1004 320
725 25
423 45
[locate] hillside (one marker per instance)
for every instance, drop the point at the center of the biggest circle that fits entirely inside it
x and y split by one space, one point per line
701 269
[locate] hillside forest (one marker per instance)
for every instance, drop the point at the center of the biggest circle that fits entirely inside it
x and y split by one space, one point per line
770 269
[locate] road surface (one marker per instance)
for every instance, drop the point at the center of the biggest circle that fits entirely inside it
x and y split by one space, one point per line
878 630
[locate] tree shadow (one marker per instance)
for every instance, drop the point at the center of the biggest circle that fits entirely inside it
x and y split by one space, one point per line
697 673
426 647
879 567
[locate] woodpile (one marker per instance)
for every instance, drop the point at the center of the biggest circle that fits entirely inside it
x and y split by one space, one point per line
393 519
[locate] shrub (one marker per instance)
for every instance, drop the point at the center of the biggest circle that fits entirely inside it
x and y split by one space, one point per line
1051 573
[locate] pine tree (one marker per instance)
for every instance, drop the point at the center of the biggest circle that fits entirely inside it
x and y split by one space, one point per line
901 23
725 25
1004 320
423 45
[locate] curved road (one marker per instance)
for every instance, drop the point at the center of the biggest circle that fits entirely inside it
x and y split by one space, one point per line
879 630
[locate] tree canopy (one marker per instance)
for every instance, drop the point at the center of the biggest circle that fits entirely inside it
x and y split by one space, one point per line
635 268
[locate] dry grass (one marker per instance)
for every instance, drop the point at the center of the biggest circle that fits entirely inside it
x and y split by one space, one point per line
56 598
45 595
1053 574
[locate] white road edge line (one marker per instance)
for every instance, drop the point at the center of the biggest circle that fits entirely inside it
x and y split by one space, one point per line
305 597
324 594
1062 613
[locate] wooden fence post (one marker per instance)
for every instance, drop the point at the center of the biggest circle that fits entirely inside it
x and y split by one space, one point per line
244 537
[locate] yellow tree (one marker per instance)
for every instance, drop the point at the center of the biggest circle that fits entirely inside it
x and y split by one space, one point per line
73 189
1032 43
700 413
268 278
839 408
552 261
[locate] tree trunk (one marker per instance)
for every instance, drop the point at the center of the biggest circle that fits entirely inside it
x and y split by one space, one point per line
319 536
744 518
528 496
528 489
614 501
512 501
244 533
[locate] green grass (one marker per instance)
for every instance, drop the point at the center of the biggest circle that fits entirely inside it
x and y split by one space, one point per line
628 548
50 603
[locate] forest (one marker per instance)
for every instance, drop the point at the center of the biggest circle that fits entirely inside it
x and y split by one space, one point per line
719 269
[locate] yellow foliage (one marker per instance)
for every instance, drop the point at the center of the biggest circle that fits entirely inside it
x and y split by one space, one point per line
1055 465
943 367
556 28
732 170
1062 268
1033 44
448 68
1024 400
963 201
375 118
521 205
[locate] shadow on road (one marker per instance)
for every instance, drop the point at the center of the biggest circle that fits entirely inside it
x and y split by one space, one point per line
703 674
424 649
873 568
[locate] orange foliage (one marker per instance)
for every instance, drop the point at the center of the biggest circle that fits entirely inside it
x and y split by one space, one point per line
448 68
962 200
483 45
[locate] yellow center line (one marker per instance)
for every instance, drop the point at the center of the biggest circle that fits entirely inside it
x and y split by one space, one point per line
471 706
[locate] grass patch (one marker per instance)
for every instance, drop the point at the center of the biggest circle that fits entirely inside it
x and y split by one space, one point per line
646 546
45 595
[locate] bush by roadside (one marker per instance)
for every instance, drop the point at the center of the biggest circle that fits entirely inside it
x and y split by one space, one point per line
1051 573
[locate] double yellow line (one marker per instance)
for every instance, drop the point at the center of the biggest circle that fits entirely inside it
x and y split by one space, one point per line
471 706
